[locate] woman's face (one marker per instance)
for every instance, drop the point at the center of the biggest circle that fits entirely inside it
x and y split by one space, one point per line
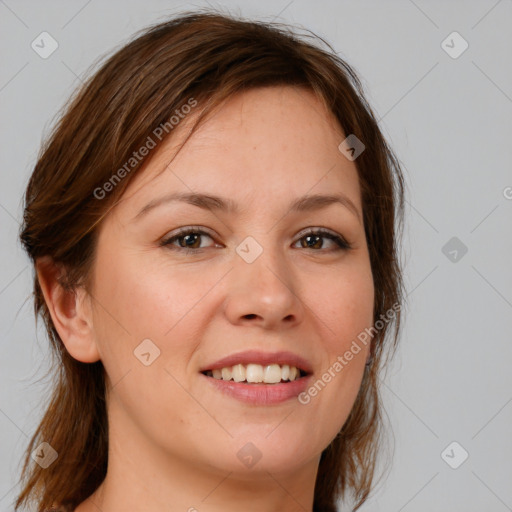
259 279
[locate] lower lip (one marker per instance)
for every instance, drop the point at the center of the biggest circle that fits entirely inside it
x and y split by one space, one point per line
261 394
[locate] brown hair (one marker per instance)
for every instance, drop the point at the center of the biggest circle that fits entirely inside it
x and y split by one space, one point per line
207 56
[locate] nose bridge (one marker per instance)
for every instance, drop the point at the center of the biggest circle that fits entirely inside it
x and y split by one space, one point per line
262 262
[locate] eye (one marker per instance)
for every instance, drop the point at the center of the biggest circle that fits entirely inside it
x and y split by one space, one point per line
187 238
313 240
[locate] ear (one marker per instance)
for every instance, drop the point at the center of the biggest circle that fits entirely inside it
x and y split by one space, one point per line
70 310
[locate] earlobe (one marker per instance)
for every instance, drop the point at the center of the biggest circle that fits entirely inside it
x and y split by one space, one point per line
70 311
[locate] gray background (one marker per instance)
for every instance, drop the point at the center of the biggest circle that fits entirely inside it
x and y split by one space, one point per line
450 122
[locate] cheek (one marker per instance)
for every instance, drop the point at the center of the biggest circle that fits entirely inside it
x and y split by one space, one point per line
345 310
138 301
146 299
345 304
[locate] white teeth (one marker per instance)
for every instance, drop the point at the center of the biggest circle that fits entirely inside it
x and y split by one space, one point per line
272 374
238 372
255 373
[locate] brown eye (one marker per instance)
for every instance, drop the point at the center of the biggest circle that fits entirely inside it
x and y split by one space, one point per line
314 240
190 240
187 239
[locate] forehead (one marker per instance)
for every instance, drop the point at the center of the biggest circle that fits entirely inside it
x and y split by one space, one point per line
287 118
263 146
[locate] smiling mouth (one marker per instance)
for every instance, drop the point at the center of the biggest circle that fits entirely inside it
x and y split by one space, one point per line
257 374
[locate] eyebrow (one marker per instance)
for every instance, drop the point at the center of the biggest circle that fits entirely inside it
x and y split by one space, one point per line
305 203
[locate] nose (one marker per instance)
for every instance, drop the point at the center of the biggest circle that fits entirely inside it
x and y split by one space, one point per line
264 293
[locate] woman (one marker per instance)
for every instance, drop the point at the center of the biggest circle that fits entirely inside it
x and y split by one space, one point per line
212 225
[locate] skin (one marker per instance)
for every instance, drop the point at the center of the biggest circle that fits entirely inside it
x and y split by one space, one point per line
174 438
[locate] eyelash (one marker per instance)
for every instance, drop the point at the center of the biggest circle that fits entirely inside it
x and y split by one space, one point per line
342 244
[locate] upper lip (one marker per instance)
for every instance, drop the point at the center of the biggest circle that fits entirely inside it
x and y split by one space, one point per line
263 358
